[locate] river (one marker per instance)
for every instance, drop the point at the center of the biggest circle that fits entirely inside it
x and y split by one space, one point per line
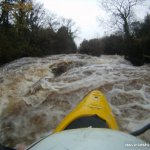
36 93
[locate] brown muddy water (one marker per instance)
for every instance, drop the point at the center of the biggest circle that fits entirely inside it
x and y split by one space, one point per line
36 93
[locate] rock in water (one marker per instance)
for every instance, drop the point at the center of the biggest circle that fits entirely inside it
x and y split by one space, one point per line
36 93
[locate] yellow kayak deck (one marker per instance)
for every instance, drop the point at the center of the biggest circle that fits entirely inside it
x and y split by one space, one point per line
93 104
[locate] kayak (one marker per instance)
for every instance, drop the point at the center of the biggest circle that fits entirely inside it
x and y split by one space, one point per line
89 139
74 133
93 111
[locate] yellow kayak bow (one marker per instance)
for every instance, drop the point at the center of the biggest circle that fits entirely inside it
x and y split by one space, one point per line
93 108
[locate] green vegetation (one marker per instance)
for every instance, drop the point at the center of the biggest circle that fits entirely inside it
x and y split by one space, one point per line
132 38
135 48
26 30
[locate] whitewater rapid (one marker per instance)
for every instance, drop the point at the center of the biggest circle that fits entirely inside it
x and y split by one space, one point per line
36 93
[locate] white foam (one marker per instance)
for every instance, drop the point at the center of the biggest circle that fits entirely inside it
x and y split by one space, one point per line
47 98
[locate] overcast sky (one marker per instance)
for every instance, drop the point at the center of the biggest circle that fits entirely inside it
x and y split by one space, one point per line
85 14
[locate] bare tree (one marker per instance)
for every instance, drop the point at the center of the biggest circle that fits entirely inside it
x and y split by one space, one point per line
5 11
53 21
72 29
121 12
36 16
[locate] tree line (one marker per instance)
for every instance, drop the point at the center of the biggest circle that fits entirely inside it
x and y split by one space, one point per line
26 29
132 39
136 48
